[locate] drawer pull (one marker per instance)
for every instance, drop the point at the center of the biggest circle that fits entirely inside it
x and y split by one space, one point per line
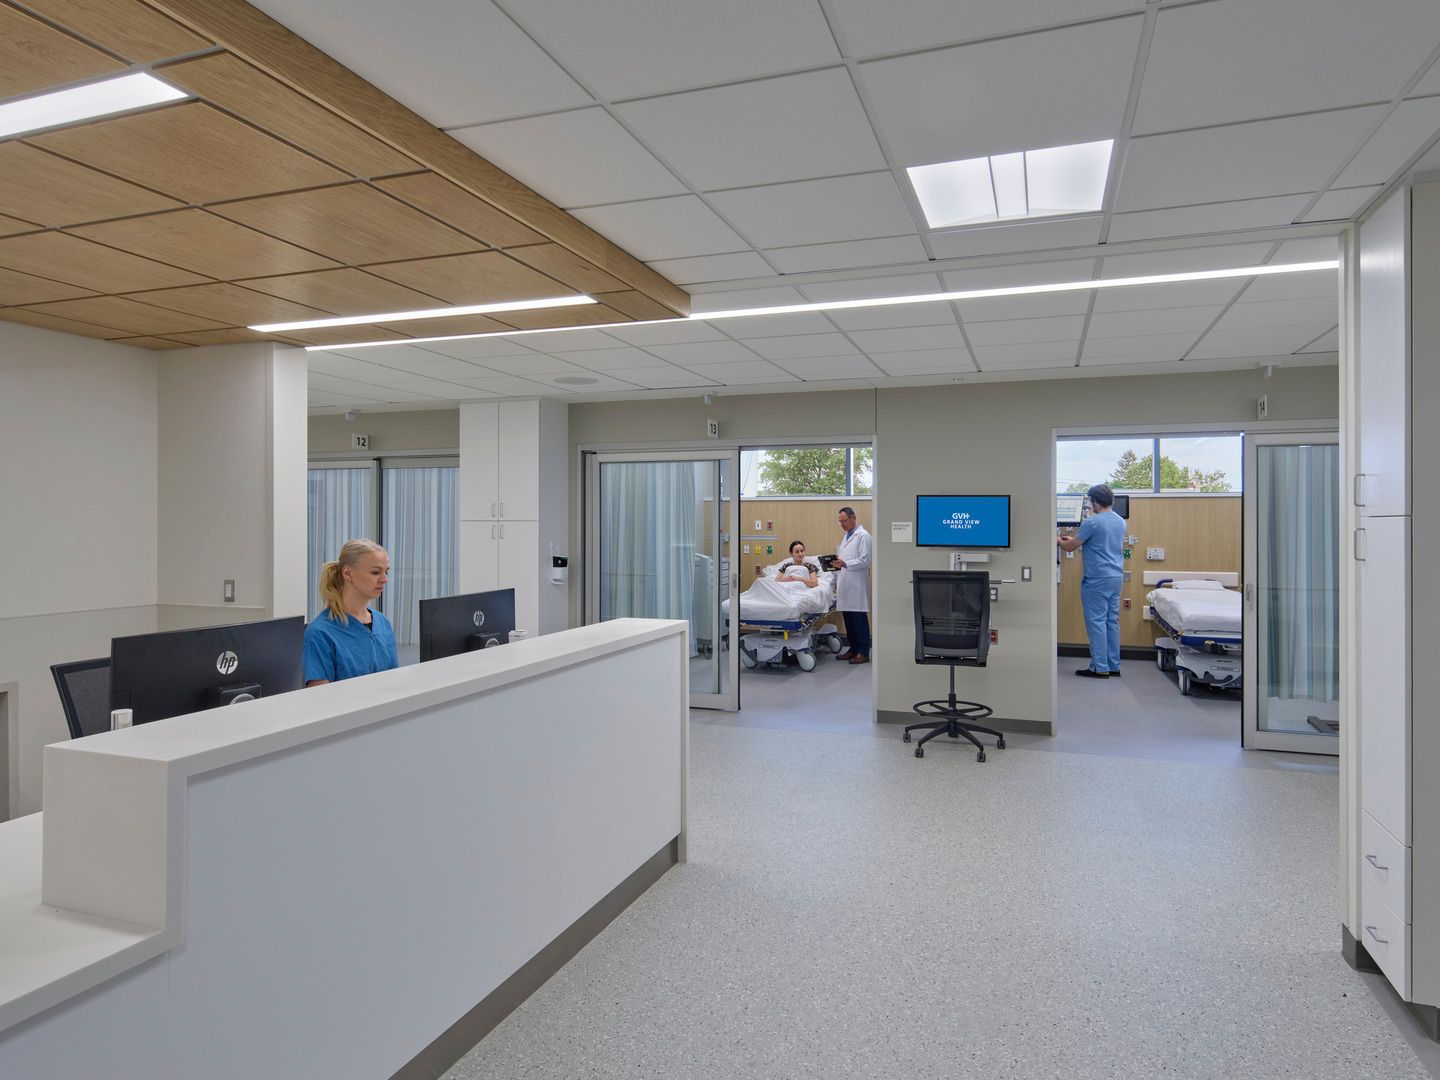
1373 861
1371 931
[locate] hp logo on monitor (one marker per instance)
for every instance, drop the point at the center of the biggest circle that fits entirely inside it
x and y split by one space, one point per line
227 663
479 618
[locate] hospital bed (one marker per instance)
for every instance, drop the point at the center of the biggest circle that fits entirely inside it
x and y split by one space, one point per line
1203 624
779 619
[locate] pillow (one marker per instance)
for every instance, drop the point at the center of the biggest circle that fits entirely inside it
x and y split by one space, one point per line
1198 583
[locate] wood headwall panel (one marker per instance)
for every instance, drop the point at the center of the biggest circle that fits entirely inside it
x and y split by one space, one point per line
284 165
1200 532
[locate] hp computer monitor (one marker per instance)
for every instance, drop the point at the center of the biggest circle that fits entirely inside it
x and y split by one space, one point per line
1069 509
184 671
460 624
962 521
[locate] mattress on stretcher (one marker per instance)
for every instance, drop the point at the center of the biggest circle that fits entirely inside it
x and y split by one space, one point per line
769 600
1199 613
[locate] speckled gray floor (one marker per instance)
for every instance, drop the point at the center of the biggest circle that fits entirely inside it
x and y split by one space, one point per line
850 911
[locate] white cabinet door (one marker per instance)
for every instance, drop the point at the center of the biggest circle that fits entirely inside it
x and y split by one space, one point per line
519 478
1384 698
1385 359
479 454
479 556
519 569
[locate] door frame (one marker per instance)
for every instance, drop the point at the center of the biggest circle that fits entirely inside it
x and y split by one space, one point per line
727 700
1251 737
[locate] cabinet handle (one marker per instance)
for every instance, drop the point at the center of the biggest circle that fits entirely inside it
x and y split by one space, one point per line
502 509
1359 489
492 509
1371 931
1373 861
492 530
502 530
1359 545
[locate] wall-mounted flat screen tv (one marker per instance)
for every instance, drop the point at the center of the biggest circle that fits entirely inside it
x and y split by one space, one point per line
962 521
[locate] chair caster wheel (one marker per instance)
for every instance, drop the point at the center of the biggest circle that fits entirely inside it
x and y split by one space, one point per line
980 756
905 737
919 751
1000 744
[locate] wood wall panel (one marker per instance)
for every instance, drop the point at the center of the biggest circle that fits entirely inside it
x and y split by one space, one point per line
480 278
246 91
344 292
77 261
190 151
17 288
353 223
56 191
1197 533
34 56
454 205
198 240
133 29
127 315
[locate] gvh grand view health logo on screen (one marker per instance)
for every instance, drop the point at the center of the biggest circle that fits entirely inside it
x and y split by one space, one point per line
963 521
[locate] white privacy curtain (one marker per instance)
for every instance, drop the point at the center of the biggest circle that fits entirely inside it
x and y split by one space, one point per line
1299 526
339 510
648 534
421 537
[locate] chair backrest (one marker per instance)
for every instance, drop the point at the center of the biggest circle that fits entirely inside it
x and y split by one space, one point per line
952 616
84 687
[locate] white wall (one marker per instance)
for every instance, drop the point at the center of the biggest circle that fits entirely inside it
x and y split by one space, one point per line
435 429
78 497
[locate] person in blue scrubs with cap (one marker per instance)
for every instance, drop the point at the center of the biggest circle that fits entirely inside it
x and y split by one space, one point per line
349 638
1101 538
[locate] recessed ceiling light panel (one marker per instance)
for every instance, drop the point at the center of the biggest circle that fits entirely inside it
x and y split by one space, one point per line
428 313
104 98
1010 187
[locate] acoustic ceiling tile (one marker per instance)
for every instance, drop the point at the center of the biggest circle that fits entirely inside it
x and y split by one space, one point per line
830 367
1145 321
52 190
1403 134
76 261
916 337
706 268
801 346
198 240
1080 232
663 378
344 292
848 254
455 206
35 56
17 288
705 352
1341 204
1023 331
817 211
1168 346
128 315
1209 218
130 28
229 305
773 326
671 228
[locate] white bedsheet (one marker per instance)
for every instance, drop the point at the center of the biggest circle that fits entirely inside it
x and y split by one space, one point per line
1199 612
769 600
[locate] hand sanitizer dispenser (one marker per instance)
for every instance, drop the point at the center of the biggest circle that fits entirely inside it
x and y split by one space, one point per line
559 569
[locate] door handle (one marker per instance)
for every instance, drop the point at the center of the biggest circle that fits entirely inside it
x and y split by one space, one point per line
1371 931
1359 545
1250 593
1373 861
1359 493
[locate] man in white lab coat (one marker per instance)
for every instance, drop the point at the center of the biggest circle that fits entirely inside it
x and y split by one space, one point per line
853 592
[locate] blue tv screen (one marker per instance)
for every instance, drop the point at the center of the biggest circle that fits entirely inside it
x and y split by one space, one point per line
962 521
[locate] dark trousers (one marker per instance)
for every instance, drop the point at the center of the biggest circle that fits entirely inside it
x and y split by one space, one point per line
857 631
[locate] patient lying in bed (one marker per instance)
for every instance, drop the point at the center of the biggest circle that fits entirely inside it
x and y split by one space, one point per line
787 593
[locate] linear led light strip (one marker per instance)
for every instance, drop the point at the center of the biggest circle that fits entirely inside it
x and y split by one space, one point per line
886 301
430 313
138 90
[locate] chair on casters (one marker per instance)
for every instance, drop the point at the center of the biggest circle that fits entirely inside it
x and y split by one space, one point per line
84 687
952 627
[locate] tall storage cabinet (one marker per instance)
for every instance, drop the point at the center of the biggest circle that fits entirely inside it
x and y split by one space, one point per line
1397 497
513 507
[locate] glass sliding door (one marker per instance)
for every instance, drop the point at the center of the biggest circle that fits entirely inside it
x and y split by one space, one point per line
658 529
420 531
341 505
1292 593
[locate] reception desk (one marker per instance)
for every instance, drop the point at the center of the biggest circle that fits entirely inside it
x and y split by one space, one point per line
355 880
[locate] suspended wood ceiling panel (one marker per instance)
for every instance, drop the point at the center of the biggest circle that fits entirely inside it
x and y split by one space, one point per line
287 188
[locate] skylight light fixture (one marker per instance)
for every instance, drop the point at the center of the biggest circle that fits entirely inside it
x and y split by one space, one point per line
1009 187
881 301
429 313
138 90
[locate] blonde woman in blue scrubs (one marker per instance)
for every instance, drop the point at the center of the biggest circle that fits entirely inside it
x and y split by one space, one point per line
350 638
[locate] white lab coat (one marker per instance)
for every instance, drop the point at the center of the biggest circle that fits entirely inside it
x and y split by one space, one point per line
853 593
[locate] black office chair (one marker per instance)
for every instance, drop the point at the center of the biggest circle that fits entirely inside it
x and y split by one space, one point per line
952 626
84 687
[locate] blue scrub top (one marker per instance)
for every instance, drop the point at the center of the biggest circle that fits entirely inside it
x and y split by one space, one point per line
336 650
1102 542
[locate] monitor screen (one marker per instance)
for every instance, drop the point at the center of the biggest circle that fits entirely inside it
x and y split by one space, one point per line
962 521
458 624
1069 509
184 671
1122 506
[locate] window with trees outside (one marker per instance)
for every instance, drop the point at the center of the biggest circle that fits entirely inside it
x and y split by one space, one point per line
1189 464
807 471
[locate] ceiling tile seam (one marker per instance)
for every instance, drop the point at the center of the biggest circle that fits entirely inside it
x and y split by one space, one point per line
611 112
1090 304
992 39
85 239
131 67
1251 121
1245 285
244 281
1222 202
1316 338
898 176
32 309
964 333
660 360
1410 83
1119 151
140 297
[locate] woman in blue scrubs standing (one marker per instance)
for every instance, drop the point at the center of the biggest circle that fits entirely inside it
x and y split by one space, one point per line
1102 537
349 638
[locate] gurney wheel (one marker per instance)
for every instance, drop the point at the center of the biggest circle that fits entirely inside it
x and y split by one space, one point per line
1185 682
747 658
806 660
833 643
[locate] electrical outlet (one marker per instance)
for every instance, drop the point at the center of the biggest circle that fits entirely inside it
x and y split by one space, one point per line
1125 602
1026 573
1155 554
758 525
229 591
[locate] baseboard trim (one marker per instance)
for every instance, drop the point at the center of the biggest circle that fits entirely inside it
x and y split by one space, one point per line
1127 652
1359 958
999 723
460 1038
1354 951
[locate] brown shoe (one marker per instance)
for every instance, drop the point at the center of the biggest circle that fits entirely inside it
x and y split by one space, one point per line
859 659
846 655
